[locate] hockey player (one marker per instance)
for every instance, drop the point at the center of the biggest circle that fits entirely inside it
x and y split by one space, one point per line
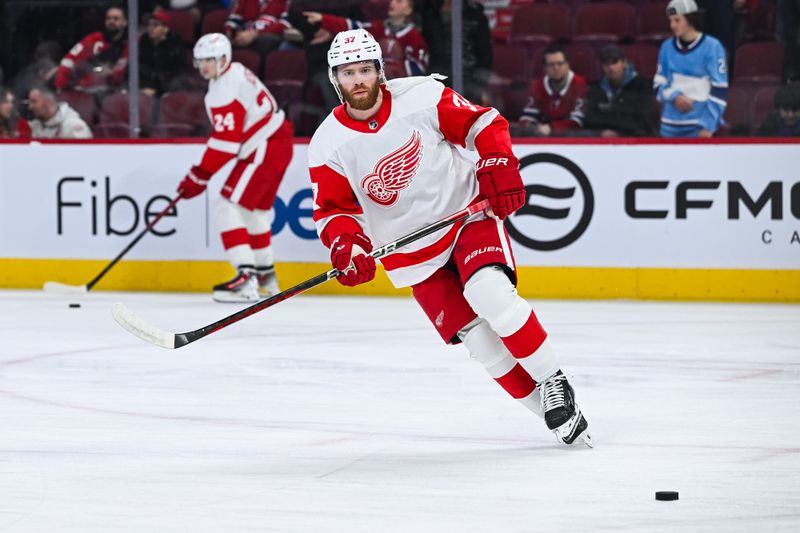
385 162
249 126
692 76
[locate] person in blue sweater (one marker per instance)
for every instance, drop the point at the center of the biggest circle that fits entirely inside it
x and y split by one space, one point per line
692 77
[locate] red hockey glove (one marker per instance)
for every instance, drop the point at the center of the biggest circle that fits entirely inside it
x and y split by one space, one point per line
194 183
349 256
500 182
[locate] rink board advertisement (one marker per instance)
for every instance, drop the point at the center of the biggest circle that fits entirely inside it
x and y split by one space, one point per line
622 208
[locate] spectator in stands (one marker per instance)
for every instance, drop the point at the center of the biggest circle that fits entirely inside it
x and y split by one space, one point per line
405 52
476 44
622 102
556 103
44 66
53 120
692 76
162 57
785 121
257 23
12 126
99 59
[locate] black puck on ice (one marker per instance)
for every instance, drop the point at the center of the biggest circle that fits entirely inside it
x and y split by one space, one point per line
666 495
75 306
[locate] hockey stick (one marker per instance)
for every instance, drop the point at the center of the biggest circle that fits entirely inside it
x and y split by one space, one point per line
154 335
63 288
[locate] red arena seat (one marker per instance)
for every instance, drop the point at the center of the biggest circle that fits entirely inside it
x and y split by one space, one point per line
82 102
214 21
759 62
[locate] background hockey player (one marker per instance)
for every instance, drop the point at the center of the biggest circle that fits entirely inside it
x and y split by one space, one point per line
247 125
384 163
692 76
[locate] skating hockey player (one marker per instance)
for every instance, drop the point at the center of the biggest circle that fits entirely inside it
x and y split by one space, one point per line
384 163
247 125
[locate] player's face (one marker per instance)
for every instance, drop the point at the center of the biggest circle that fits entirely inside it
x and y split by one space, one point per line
115 20
556 66
679 26
359 83
400 8
615 71
207 67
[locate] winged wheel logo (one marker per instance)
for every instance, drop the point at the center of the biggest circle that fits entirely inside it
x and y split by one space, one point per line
394 172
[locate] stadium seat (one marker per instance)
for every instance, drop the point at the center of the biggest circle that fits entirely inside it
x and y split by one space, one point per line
644 57
583 61
510 62
763 104
540 23
248 58
737 112
116 130
375 10
114 110
214 21
170 131
759 63
82 102
186 108
510 76
285 77
604 22
285 65
652 24
182 23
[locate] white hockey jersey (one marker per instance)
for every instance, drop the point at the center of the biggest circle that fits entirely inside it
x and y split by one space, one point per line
399 171
243 115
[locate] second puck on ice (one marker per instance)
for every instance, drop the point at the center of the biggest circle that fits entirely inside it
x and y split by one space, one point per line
666 495
74 306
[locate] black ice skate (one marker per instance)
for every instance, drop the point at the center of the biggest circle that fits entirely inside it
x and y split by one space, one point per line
242 288
267 281
561 414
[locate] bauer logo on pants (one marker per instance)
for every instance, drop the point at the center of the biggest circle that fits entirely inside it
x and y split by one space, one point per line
559 203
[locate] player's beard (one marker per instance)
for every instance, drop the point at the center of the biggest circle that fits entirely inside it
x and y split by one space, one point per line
362 103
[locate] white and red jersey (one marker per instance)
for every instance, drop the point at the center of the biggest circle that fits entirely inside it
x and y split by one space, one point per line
243 115
94 45
400 170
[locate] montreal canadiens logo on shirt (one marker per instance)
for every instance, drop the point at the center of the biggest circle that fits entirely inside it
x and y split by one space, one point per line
394 172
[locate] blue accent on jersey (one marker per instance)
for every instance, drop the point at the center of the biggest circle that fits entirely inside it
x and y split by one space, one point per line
700 72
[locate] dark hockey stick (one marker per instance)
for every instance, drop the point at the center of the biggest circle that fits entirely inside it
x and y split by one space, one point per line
166 339
62 288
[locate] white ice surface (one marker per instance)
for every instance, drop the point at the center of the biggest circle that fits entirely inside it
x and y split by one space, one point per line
349 415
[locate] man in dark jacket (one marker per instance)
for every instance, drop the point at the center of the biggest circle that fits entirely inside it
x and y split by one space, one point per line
162 57
622 103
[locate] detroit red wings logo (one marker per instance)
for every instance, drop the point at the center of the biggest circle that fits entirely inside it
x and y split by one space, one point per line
394 172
